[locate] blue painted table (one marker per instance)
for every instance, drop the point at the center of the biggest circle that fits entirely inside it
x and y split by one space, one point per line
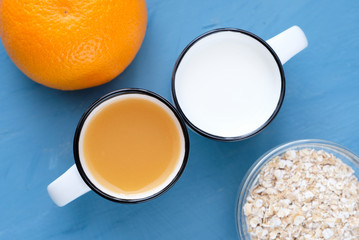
37 124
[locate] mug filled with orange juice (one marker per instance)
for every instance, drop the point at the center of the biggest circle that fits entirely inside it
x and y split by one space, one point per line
131 145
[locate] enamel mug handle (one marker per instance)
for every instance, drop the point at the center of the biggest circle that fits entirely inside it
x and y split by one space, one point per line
288 43
67 187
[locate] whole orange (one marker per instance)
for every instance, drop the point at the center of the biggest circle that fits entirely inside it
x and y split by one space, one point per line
72 45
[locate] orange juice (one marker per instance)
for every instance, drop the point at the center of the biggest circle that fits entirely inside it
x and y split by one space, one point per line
132 144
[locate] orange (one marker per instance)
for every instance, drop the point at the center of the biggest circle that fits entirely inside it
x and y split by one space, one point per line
72 45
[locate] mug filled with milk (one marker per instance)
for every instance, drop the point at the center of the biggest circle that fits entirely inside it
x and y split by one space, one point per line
228 84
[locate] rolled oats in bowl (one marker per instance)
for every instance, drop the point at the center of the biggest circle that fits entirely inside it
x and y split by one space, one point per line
302 190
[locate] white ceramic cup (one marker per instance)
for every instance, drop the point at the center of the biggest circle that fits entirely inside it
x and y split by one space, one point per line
228 84
78 179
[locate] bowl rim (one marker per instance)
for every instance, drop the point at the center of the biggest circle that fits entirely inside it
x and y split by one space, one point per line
268 156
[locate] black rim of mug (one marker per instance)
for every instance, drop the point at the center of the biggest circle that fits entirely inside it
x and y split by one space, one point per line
95 105
209 135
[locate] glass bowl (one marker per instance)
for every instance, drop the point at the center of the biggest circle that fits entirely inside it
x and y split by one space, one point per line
251 177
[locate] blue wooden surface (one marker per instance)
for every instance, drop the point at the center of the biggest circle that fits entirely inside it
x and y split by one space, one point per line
37 123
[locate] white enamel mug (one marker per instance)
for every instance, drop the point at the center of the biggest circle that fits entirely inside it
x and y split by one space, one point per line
228 84
78 179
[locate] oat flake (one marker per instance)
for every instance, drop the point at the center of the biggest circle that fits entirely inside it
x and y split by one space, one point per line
304 194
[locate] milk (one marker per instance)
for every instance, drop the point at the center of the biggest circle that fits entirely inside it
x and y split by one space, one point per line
228 84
